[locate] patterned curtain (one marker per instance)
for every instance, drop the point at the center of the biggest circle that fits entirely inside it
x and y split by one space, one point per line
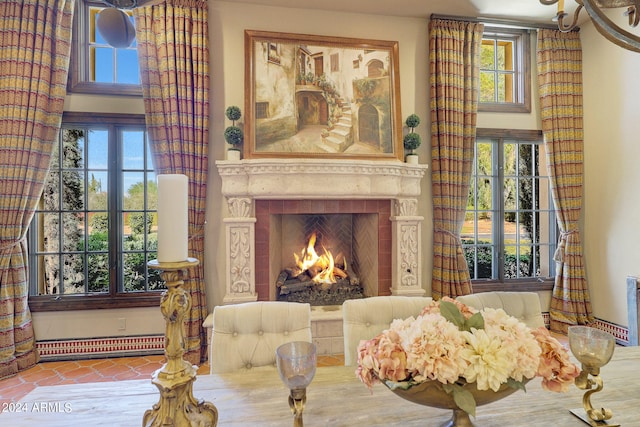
560 84
173 49
35 37
454 56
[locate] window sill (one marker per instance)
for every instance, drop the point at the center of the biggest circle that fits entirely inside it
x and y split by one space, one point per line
512 286
92 302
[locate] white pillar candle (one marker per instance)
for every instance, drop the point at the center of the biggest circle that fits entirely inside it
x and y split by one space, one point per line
173 218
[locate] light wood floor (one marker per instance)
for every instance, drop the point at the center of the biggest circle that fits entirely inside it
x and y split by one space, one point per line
97 370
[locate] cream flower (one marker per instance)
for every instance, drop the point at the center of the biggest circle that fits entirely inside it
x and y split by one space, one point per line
489 361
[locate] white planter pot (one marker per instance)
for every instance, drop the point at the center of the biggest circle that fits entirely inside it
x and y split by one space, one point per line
233 155
412 159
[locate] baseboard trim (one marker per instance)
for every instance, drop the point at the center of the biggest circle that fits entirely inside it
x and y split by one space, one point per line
94 348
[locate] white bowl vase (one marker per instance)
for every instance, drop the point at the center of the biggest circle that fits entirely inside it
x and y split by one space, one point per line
412 159
233 155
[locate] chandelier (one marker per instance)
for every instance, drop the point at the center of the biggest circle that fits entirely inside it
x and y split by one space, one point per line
605 26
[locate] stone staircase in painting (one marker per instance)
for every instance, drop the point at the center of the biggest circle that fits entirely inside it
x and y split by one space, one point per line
341 136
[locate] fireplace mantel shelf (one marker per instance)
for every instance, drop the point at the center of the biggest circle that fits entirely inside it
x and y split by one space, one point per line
320 178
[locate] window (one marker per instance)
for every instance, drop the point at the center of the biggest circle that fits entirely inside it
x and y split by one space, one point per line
505 81
509 232
94 230
97 67
262 110
334 59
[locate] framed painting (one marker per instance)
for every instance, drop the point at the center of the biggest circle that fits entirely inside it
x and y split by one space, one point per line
315 96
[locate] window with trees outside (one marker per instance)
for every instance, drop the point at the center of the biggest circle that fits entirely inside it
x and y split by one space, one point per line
509 232
96 67
94 230
505 70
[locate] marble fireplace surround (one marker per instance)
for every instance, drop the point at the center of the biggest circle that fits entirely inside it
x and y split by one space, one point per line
248 180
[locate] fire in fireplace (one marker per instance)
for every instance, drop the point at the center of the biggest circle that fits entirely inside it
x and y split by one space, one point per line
318 278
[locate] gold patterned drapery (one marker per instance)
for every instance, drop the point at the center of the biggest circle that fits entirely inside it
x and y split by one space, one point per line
454 57
34 62
173 50
559 59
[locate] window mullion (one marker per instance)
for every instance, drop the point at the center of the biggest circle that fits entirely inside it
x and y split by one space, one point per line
498 208
114 208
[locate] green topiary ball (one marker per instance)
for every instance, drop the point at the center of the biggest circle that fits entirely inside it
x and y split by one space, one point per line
233 113
411 141
233 135
412 121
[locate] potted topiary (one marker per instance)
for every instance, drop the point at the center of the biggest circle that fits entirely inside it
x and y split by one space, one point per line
233 134
412 140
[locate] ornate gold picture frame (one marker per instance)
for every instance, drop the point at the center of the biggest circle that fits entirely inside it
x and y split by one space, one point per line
316 96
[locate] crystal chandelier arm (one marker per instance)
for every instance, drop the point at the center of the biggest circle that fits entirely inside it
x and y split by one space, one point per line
609 30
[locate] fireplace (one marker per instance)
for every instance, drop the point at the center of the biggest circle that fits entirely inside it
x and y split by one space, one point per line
358 231
272 200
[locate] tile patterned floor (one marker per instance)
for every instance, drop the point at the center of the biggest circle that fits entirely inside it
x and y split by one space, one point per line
96 370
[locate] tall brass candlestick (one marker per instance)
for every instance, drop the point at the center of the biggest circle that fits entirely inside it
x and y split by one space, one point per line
177 406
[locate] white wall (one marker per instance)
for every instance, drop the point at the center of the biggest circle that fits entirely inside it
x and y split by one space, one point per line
612 172
611 96
228 22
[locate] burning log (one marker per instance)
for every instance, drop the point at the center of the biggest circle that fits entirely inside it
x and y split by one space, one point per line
281 278
319 278
337 271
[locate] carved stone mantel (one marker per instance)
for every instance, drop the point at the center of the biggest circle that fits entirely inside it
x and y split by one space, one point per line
244 181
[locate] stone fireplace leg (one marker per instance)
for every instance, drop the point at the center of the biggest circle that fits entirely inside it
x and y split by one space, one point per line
406 238
240 245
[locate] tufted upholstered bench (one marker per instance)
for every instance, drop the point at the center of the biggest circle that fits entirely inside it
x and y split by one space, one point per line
362 319
525 306
246 335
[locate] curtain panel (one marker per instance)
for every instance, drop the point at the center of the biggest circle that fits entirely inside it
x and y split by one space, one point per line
34 61
454 59
173 50
559 58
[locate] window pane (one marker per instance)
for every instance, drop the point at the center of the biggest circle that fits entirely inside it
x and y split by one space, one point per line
505 55
487 86
127 69
73 274
487 55
152 193
484 158
133 152
97 149
103 65
97 189
509 161
98 273
485 194
134 190
73 191
98 232
501 94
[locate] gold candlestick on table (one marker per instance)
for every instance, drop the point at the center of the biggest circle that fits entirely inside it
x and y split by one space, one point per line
177 406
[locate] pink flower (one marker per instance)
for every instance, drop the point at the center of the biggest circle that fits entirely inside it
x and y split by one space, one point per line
434 307
555 368
381 358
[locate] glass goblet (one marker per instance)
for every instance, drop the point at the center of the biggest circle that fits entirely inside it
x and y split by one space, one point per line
297 366
594 349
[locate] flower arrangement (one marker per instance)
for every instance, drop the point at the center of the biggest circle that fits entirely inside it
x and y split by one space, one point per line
455 345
